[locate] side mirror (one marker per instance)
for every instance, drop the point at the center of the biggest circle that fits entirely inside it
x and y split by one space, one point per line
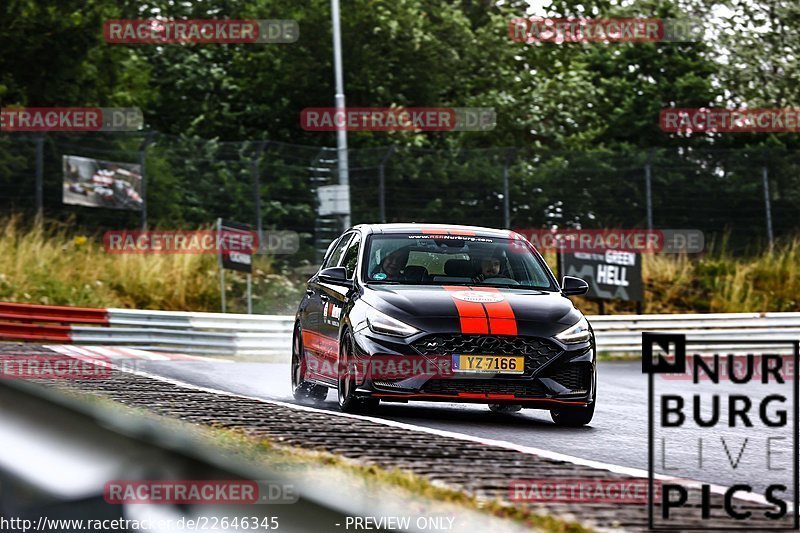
337 275
573 286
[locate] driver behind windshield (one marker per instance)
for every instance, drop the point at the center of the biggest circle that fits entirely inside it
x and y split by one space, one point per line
489 267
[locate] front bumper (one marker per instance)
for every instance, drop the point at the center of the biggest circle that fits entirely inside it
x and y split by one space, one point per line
555 374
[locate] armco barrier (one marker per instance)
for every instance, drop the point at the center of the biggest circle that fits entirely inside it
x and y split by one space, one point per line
259 335
623 333
193 333
86 445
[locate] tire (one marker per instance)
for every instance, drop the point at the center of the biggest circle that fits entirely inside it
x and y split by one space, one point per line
503 408
572 416
346 382
302 390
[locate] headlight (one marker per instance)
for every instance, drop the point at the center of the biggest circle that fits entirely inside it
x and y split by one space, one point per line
383 323
577 333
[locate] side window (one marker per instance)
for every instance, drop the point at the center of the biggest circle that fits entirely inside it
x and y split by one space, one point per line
338 250
351 256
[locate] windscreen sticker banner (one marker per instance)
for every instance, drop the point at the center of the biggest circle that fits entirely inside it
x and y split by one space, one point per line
457 237
724 412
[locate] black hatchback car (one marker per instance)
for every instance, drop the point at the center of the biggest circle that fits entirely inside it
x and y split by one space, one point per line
401 312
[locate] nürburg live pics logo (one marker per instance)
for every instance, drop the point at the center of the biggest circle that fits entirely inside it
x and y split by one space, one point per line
723 412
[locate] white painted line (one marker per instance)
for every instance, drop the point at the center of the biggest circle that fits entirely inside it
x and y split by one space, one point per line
101 353
72 351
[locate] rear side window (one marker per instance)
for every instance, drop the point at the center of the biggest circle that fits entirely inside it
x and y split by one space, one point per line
350 259
338 250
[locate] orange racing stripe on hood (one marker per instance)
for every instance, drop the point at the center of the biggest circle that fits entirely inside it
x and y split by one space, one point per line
502 320
472 314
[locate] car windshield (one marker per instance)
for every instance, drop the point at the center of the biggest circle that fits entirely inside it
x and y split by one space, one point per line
422 259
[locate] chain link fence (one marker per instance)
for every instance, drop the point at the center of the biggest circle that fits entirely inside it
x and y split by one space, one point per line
746 198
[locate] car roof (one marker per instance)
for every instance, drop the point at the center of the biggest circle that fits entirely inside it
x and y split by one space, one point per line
451 229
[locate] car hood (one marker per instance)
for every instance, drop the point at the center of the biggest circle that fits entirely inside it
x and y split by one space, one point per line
422 306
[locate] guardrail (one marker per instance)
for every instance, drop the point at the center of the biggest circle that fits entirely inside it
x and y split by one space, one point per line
623 333
261 335
191 333
59 452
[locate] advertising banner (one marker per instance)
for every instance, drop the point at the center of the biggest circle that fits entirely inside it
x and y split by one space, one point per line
95 183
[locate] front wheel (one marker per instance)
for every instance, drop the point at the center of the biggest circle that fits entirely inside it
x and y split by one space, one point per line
303 390
346 382
572 416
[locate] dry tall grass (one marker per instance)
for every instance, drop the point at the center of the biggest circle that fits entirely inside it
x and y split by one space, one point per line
717 282
52 266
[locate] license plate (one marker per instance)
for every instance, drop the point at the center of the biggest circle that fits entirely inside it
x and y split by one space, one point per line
489 364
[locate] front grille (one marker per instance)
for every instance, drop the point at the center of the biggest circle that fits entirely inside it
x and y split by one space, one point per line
575 377
537 351
522 389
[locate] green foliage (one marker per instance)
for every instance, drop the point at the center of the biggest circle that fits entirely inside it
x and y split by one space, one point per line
582 117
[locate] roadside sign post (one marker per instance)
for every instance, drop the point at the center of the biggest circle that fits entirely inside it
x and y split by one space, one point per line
249 294
239 260
221 268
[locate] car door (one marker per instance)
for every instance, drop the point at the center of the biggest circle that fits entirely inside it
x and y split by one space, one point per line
335 299
320 342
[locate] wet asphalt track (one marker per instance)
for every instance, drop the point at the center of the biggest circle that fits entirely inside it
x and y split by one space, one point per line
617 435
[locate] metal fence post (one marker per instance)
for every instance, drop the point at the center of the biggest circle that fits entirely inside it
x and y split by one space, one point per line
506 190
254 173
382 184
39 176
648 189
148 140
767 205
